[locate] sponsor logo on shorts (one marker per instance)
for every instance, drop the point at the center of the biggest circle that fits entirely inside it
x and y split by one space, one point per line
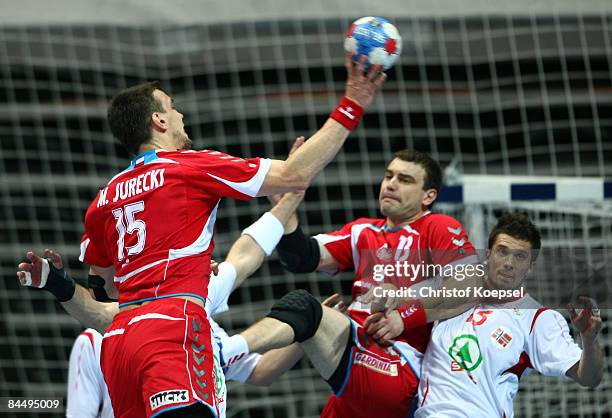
375 364
168 397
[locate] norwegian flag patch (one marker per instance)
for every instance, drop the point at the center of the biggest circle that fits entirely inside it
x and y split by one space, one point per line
501 337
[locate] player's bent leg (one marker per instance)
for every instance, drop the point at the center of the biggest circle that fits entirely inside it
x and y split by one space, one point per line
294 317
268 334
301 311
327 347
298 316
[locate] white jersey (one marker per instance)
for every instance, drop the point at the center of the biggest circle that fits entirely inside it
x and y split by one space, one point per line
474 361
227 348
237 364
87 392
86 388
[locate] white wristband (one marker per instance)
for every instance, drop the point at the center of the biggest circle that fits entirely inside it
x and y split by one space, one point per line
266 231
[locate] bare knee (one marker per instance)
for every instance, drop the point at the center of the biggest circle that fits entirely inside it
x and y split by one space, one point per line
326 347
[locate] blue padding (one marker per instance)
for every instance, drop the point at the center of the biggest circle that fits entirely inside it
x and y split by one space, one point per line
542 191
451 194
607 189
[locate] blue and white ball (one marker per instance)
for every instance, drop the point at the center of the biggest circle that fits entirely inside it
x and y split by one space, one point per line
376 38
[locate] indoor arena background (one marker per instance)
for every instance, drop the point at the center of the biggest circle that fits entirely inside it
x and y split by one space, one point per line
515 88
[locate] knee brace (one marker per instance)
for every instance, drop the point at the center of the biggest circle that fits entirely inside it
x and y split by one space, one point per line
301 311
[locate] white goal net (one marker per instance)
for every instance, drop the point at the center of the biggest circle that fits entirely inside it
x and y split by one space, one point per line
489 88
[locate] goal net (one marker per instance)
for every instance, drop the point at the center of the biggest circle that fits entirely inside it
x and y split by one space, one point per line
488 88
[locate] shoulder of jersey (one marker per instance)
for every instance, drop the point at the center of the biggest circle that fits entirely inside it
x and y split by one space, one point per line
440 219
369 221
526 310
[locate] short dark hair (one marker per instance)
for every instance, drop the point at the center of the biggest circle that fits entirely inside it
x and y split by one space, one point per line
518 226
129 114
433 172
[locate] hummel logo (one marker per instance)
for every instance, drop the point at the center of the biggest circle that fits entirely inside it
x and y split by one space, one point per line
410 311
198 360
456 231
458 242
168 397
347 112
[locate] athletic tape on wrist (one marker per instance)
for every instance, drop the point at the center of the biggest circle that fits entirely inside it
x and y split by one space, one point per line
266 231
413 315
41 281
348 113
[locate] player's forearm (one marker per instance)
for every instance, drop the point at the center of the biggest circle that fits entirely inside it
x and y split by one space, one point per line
285 209
457 294
88 312
246 256
317 152
590 367
260 238
274 363
301 167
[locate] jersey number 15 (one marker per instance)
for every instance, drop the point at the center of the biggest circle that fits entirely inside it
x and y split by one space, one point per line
130 226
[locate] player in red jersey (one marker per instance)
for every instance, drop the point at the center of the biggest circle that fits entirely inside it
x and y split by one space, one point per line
149 231
368 379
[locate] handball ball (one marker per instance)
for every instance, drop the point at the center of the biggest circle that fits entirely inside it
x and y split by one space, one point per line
376 38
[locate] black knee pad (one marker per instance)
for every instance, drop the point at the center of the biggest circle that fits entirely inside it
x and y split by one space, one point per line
301 311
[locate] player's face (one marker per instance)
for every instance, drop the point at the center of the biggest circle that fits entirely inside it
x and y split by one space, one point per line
176 127
509 261
401 193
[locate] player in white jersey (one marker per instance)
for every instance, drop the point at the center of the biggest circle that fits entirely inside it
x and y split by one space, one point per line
87 392
475 361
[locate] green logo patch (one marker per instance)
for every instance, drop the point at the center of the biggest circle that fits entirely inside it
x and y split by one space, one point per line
465 350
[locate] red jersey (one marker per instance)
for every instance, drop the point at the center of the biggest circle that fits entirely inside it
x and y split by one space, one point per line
367 246
154 221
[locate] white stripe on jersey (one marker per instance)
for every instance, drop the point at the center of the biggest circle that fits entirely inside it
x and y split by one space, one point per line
201 243
121 279
84 246
153 316
252 186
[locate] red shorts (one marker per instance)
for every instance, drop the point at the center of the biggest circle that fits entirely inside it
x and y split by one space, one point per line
159 357
379 382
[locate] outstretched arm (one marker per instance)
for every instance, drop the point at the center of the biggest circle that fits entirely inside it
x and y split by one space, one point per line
48 273
588 371
300 168
89 312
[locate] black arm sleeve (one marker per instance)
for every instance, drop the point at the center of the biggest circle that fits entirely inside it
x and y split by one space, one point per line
299 253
